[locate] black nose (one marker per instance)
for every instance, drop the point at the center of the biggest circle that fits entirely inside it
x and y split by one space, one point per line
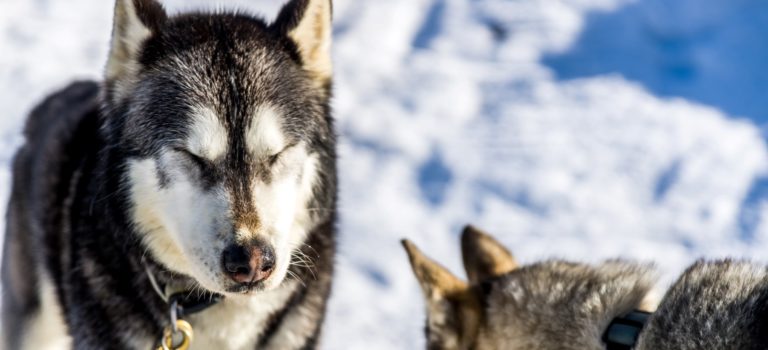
248 263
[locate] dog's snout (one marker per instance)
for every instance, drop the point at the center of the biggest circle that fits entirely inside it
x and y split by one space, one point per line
248 264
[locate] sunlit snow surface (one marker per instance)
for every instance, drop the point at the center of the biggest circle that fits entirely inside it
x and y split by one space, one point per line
583 129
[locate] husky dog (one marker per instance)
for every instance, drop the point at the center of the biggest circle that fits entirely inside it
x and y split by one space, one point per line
562 305
203 165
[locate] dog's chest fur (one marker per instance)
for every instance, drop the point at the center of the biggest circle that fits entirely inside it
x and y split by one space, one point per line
234 323
237 323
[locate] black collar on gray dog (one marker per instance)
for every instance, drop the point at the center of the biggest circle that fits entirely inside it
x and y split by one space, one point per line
623 331
182 303
187 303
178 333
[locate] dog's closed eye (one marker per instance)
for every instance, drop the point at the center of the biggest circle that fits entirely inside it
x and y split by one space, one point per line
199 161
273 159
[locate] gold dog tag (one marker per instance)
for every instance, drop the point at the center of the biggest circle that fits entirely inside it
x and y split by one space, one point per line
166 342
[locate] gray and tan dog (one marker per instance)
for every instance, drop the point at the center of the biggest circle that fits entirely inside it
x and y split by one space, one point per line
563 305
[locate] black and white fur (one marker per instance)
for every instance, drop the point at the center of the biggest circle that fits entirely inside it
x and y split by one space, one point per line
209 131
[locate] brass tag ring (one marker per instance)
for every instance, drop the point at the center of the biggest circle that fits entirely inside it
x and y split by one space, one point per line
166 343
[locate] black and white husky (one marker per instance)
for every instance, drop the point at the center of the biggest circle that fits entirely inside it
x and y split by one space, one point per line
201 170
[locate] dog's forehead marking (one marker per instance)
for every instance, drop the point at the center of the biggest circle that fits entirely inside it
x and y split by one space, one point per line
264 135
207 136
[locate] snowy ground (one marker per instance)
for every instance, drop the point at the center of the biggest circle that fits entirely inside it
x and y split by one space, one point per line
583 129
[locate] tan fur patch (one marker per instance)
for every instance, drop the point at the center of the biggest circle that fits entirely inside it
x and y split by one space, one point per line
247 223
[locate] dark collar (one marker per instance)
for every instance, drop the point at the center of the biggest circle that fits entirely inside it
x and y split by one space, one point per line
623 331
188 303
181 303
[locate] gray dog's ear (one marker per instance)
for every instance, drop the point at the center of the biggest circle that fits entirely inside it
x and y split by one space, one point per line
435 280
453 308
484 257
308 24
135 21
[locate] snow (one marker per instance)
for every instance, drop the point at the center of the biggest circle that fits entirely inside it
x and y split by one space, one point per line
583 129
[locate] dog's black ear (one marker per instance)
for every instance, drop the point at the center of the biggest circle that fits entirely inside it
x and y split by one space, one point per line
308 24
484 257
135 21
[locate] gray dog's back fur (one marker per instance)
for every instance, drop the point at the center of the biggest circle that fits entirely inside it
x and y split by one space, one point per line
713 305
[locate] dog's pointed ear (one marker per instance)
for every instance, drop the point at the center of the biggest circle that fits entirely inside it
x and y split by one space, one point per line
435 280
483 256
453 307
135 21
308 24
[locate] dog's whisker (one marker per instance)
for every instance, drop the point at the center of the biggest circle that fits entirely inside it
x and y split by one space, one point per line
297 278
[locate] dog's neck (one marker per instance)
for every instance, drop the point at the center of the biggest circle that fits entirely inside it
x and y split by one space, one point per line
181 297
164 282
